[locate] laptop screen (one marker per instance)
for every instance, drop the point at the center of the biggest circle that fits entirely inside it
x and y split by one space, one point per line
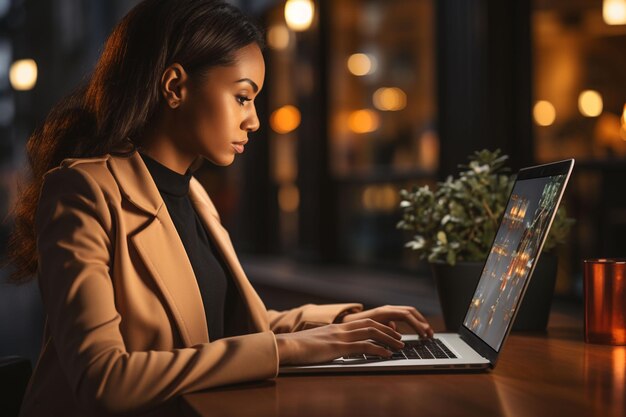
515 249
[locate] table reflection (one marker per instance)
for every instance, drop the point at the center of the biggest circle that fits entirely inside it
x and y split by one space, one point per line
537 375
352 395
605 382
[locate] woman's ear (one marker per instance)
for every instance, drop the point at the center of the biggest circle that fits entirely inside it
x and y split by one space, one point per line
174 85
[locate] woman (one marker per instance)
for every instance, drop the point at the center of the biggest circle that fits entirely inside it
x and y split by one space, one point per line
144 296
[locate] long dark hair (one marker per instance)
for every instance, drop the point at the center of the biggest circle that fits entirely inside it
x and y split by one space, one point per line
122 95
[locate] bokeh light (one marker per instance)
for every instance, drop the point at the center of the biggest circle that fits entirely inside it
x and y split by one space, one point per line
380 198
622 128
23 74
278 37
288 198
299 14
361 64
590 103
614 12
544 113
285 119
389 99
363 121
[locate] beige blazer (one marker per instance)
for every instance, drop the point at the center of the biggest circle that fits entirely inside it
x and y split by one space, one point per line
125 329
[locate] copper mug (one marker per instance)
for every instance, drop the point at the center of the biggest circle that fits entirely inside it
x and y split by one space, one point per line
605 301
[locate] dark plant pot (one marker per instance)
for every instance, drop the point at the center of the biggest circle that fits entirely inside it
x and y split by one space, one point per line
456 286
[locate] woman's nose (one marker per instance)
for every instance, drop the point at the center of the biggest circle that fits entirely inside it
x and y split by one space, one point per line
251 123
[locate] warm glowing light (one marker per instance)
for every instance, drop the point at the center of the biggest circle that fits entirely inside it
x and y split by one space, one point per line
299 14
607 133
618 360
389 99
614 12
622 128
278 37
368 198
361 64
590 103
288 198
380 198
363 121
285 119
429 150
544 113
23 74
389 198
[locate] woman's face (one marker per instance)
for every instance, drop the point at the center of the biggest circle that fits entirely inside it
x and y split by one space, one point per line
218 111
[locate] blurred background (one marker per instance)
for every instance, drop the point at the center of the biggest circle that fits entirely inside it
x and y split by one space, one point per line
362 98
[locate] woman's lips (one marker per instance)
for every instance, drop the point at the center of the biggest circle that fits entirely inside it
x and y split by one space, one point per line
239 146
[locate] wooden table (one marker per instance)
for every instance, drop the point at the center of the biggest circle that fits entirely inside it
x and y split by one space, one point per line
553 374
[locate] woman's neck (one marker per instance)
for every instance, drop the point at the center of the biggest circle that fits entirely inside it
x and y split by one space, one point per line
162 148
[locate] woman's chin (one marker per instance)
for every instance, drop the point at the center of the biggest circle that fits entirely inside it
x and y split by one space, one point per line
222 161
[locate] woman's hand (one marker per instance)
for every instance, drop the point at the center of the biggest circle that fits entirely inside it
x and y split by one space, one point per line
325 343
389 315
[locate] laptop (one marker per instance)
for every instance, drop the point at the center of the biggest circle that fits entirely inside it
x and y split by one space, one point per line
523 229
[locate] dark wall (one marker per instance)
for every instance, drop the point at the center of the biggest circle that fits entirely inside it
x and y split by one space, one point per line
484 80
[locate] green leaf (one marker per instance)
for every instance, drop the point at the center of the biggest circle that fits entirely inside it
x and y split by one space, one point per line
458 219
451 258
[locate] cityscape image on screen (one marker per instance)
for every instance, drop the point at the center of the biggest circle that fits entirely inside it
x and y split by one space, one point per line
512 257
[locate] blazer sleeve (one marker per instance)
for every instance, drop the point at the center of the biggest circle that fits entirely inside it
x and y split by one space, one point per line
308 316
74 229
301 318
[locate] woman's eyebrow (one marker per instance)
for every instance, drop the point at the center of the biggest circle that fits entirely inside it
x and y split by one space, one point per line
249 81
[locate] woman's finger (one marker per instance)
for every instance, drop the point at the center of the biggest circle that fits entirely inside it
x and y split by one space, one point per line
406 315
411 316
387 314
372 333
415 312
370 348
364 323
422 329
426 326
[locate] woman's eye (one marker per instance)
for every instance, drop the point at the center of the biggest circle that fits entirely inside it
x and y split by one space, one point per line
242 99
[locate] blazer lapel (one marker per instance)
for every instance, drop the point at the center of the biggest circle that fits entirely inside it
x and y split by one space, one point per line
161 249
208 214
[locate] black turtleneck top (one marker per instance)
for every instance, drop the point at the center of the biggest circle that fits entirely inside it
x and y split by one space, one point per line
215 284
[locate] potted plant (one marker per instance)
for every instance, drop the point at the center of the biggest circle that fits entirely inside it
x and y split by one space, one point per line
454 226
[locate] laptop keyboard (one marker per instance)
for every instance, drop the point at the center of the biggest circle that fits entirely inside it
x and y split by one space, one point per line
413 349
